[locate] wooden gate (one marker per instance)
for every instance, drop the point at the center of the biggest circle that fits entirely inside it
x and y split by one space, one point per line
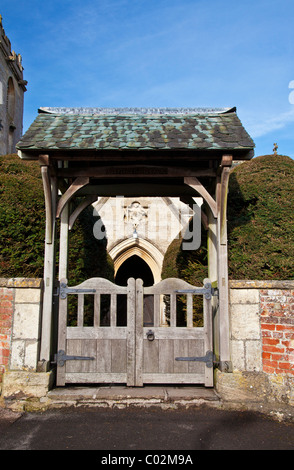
137 335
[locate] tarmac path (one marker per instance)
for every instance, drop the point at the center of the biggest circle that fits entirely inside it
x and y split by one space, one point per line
140 429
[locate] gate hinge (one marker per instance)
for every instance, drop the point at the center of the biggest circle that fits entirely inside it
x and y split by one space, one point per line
61 357
208 291
209 359
64 290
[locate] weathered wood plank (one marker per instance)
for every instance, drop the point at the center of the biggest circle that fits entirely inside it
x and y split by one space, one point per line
73 348
80 321
103 355
119 355
173 310
189 311
139 333
181 349
176 333
131 326
103 332
156 310
97 305
113 310
95 377
166 356
151 356
165 378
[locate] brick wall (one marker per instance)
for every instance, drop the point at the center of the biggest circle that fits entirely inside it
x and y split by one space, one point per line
262 342
277 330
6 313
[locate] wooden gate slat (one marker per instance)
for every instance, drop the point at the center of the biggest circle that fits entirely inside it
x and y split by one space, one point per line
189 311
80 321
97 305
156 310
173 310
113 307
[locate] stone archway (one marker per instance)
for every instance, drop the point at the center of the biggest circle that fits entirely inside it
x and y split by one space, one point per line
141 248
134 267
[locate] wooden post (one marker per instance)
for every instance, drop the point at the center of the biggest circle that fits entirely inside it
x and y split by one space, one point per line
63 244
212 247
50 191
222 254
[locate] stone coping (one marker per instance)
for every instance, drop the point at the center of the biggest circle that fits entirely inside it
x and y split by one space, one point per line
21 282
261 284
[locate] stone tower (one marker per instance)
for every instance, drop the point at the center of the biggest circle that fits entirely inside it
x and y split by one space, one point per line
12 88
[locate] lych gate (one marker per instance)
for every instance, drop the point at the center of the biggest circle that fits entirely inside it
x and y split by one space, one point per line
91 153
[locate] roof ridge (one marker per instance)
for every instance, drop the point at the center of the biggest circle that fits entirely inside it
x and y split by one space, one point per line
134 111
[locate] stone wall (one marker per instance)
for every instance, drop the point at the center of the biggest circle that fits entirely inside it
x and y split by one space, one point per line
262 342
20 318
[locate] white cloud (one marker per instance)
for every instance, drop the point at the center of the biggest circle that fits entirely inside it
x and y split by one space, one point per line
266 125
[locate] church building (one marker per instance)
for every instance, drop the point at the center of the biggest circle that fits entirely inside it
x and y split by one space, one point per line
12 89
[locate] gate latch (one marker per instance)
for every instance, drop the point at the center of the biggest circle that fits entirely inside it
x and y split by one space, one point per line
61 357
209 359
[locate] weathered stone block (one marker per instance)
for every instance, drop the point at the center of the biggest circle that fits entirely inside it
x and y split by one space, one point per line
27 295
238 354
245 322
244 296
26 321
253 351
241 387
17 355
23 384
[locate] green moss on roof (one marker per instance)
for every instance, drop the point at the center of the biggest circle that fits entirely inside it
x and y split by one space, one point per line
211 131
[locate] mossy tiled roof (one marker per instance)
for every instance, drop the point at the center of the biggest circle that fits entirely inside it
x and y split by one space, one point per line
138 129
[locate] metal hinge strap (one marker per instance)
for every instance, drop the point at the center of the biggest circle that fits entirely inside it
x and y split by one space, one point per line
64 290
209 359
206 292
61 357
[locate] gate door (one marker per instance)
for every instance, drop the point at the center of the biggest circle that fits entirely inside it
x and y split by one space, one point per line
135 334
100 349
171 348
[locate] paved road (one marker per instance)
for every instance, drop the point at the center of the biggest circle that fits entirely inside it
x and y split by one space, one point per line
144 429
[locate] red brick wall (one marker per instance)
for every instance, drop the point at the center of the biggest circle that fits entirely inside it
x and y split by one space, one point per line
277 330
6 312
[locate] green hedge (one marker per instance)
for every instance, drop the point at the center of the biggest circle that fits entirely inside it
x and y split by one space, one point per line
260 226
261 219
22 228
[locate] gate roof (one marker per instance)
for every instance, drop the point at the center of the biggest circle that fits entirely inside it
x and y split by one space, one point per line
63 130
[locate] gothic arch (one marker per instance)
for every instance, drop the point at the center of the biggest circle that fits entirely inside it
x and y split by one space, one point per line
142 248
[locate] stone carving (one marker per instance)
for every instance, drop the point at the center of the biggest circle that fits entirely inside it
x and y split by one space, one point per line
136 214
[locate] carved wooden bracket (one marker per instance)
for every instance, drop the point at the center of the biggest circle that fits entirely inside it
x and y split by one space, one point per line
85 203
194 183
78 183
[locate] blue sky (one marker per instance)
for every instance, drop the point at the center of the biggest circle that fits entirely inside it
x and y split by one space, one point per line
161 53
